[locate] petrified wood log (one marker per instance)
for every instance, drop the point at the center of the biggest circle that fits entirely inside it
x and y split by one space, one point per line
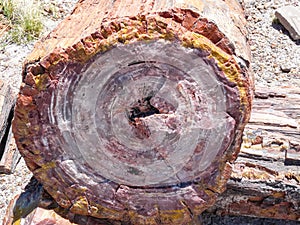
6 104
8 153
266 175
134 111
265 181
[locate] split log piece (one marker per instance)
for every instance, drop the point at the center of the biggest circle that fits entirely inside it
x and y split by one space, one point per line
134 111
11 155
8 152
266 175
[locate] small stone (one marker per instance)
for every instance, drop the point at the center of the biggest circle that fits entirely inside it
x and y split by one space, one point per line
267 142
267 5
274 45
261 95
285 68
257 141
289 17
260 7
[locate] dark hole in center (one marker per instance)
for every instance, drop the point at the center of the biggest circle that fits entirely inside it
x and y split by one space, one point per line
142 109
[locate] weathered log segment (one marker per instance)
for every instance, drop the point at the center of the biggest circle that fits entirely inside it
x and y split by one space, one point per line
266 175
8 153
134 111
265 181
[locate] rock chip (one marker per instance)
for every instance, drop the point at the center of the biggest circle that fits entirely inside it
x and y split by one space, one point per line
289 17
286 68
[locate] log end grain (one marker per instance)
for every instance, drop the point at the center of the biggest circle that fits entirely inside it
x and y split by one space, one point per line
139 121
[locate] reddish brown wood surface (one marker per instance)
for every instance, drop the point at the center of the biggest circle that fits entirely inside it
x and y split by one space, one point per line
134 111
265 182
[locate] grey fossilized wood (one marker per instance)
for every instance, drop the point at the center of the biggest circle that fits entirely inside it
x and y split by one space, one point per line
8 153
11 155
6 104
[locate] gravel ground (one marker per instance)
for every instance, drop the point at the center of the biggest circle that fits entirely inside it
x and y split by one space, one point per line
272 49
274 53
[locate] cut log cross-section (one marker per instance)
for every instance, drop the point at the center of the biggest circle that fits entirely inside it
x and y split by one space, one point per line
134 110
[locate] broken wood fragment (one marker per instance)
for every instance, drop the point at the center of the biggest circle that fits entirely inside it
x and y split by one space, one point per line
6 104
9 155
266 175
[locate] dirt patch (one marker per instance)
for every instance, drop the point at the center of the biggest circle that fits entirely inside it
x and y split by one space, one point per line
4 25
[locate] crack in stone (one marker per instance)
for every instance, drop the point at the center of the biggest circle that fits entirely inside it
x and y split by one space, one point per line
142 109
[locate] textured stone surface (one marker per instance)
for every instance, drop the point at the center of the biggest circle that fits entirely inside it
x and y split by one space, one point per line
135 117
266 175
7 101
8 154
11 155
43 216
289 17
